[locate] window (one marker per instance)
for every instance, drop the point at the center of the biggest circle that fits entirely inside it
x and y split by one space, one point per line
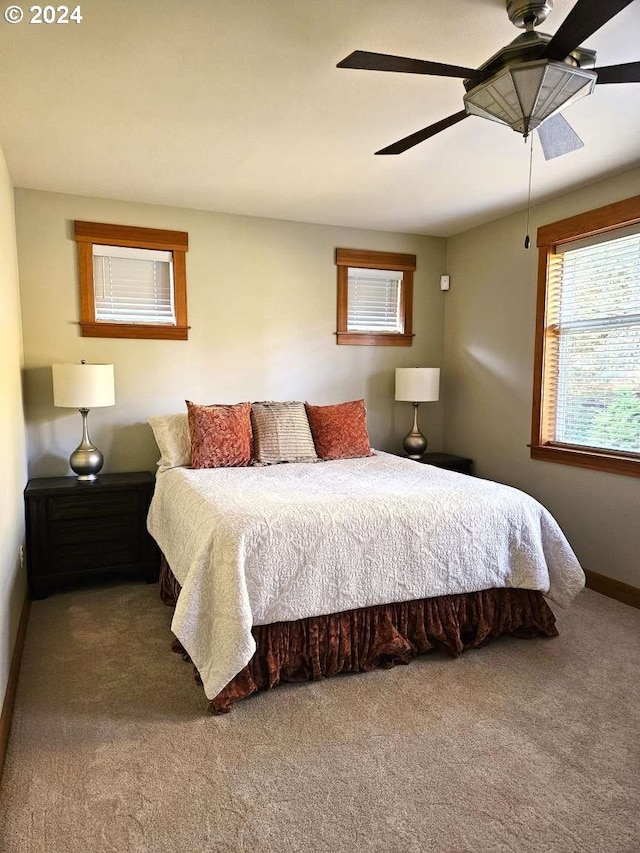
133 285
375 298
587 364
132 281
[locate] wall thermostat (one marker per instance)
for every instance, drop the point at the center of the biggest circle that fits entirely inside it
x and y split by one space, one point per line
444 282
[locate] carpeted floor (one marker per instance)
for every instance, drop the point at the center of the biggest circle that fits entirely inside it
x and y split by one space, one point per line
524 746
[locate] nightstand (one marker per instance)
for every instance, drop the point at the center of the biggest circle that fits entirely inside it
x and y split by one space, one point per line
448 461
75 529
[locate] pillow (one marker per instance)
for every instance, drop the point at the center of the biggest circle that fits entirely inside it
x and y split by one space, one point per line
220 435
340 431
171 433
281 433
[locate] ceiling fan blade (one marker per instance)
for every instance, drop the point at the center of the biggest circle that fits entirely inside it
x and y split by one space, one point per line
420 135
557 137
629 72
386 62
583 20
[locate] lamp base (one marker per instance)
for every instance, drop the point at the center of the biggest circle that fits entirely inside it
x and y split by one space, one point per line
86 460
414 443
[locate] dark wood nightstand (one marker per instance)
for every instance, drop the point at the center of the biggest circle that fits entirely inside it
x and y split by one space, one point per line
448 461
75 528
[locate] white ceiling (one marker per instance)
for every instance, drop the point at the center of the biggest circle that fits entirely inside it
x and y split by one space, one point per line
237 106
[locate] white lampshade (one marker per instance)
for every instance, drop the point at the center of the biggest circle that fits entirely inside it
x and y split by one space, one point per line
418 384
83 386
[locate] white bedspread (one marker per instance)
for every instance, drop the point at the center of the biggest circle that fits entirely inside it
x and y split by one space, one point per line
261 545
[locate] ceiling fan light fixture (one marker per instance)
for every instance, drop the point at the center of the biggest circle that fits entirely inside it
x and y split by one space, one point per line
522 96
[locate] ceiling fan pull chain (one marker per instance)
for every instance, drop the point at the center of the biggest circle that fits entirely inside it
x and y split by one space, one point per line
527 241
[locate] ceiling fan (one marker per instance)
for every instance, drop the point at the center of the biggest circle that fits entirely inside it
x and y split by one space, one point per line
526 84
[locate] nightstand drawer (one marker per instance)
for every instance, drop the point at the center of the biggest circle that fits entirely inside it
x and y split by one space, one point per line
64 507
94 530
80 556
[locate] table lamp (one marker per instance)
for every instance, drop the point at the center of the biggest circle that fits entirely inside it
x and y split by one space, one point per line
417 385
84 387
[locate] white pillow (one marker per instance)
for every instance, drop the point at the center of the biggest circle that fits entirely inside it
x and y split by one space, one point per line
171 433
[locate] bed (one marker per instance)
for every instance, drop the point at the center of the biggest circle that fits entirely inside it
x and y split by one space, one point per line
296 571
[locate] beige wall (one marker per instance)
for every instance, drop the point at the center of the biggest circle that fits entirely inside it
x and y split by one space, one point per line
262 310
489 342
12 433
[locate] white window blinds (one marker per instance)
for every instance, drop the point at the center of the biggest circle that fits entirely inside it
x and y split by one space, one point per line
133 285
593 344
374 300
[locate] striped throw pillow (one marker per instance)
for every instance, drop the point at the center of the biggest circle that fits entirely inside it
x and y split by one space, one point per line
281 433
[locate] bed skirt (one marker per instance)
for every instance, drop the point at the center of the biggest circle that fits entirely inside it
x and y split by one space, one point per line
380 636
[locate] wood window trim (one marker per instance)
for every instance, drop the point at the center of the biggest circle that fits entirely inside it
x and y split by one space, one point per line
88 234
364 259
599 221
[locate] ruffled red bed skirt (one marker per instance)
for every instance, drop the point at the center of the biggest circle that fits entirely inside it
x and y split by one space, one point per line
380 636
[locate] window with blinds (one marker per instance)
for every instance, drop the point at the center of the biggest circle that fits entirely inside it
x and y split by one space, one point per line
132 281
586 388
375 298
133 285
593 359
374 301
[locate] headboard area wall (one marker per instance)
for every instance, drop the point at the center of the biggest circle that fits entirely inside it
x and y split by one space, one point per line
262 310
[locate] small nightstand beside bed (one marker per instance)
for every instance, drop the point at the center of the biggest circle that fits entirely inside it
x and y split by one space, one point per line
81 529
295 571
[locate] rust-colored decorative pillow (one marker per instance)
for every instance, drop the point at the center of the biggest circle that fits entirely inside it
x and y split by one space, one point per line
221 436
340 431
